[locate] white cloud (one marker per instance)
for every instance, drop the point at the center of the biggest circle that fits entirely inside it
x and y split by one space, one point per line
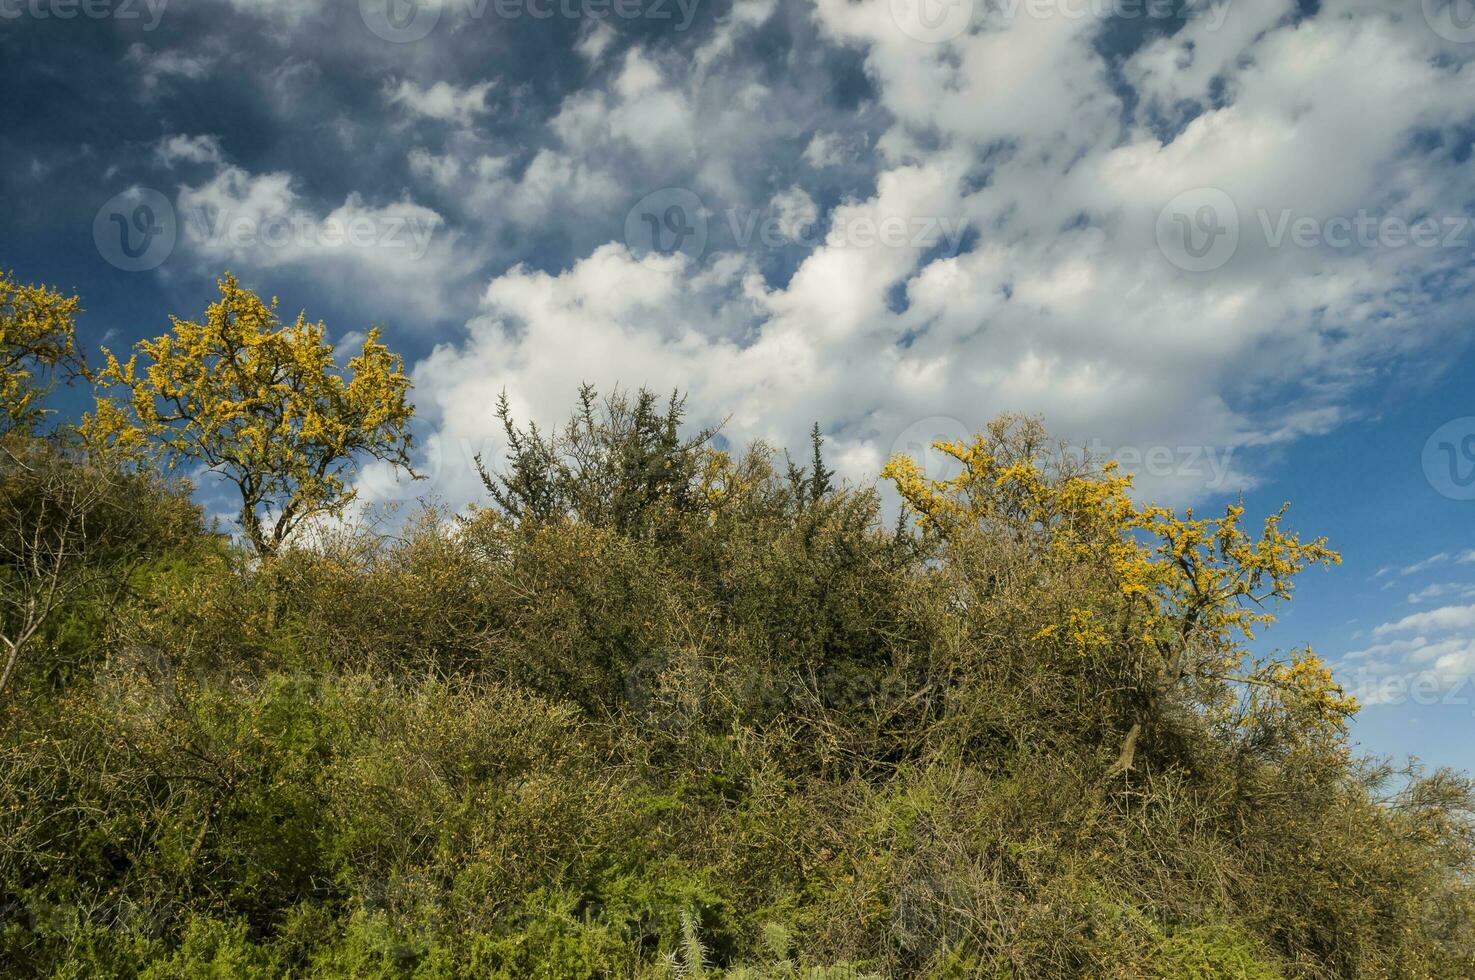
442 100
1442 619
640 110
551 184
639 118
610 319
156 66
1442 558
1416 650
594 39
189 149
400 252
742 17
795 212
1442 590
826 149
289 10
442 170
1438 659
1059 300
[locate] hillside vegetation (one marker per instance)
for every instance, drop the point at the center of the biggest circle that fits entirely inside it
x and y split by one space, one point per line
654 709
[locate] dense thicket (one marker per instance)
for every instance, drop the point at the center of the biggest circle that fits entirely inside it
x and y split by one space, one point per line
656 710
664 712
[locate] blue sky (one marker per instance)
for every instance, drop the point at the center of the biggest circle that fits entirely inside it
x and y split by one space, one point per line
1227 240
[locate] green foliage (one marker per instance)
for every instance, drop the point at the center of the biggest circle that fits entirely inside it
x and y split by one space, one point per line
620 464
664 711
72 531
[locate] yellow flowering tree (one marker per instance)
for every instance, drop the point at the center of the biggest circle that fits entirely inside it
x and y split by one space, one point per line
38 341
262 403
1184 591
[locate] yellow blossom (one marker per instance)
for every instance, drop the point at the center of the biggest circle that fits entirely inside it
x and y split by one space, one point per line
260 402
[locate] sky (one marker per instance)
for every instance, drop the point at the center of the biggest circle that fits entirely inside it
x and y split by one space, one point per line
1226 241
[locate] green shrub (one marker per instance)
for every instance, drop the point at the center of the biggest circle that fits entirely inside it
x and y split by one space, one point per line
664 711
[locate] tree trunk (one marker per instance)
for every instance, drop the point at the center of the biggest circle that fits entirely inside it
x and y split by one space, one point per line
1128 754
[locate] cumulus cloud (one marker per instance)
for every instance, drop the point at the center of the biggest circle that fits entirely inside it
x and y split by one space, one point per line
442 170
1442 619
1010 246
156 66
743 17
398 251
1438 658
290 10
609 319
442 100
1442 558
641 109
1442 590
637 120
594 40
827 149
189 149
794 211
